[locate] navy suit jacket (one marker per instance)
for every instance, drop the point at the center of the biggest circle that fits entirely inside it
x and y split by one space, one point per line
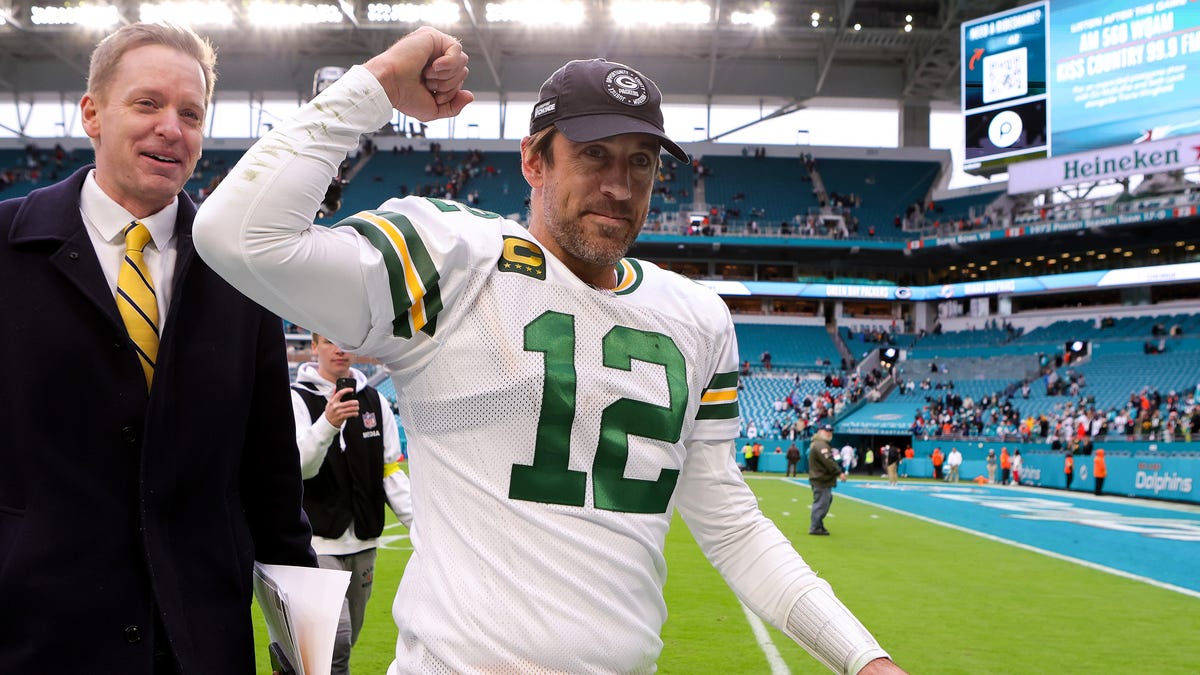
116 504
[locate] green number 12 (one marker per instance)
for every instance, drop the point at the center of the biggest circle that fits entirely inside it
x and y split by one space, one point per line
548 480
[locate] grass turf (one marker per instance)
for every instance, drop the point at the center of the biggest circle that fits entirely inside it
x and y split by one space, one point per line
939 600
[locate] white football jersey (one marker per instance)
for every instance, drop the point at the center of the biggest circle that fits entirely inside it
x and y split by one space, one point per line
552 425
546 422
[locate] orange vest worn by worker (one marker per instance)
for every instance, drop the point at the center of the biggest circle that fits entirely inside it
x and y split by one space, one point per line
1099 469
1005 460
1069 466
937 457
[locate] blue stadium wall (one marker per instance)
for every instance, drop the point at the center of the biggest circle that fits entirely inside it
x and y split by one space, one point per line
1170 472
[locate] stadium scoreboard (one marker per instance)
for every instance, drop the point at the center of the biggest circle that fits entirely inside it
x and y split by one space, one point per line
1004 88
1070 76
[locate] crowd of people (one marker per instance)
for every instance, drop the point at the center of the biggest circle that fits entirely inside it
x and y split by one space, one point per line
38 165
795 415
1075 423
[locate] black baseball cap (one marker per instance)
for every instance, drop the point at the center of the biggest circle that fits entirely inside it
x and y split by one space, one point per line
825 427
594 99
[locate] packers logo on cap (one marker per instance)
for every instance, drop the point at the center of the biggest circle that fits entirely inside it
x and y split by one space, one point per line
626 86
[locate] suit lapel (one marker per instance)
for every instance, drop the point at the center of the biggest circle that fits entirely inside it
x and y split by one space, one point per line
50 217
76 260
185 254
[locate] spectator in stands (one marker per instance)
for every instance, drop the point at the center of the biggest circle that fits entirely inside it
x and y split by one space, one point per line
953 462
349 459
179 466
765 358
799 427
1099 470
590 160
823 475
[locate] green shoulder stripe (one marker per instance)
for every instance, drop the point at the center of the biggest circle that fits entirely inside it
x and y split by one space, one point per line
720 399
723 411
413 280
724 380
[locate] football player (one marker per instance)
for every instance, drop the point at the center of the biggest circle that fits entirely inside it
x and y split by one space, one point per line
559 398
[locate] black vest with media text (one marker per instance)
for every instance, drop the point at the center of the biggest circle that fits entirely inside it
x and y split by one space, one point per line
349 486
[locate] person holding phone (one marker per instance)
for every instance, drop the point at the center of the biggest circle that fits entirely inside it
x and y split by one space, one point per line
349 453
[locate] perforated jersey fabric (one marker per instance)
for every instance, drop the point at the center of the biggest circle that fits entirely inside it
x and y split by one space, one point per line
552 425
582 582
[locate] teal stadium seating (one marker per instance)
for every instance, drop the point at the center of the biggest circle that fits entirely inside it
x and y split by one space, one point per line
774 184
674 192
1117 367
791 347
759 395
502 190
886 189
968 208
49 171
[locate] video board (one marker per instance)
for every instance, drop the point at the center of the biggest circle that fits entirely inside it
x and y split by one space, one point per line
1069 76
1004 88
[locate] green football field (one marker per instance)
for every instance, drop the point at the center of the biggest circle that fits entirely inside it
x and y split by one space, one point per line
938 599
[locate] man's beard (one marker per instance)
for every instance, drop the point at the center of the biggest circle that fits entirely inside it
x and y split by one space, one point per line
569 233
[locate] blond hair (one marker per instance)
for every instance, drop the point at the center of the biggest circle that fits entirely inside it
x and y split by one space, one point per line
107 55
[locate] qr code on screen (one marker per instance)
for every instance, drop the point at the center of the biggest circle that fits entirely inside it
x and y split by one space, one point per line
1005 75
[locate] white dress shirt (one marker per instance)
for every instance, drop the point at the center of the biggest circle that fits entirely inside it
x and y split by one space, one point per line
106 220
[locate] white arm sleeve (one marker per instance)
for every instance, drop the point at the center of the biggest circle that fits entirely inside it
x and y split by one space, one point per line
395 482
761 566
312 438
256 230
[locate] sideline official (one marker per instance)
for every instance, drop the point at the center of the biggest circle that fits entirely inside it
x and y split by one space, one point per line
823 474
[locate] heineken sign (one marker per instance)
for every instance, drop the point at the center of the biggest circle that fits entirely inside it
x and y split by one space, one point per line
1126 160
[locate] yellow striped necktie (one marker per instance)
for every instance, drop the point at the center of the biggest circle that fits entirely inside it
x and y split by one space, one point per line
136 299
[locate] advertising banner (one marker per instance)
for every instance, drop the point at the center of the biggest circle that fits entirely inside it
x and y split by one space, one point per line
1155 475
1171 154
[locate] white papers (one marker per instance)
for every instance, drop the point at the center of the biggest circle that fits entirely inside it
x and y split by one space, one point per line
302 606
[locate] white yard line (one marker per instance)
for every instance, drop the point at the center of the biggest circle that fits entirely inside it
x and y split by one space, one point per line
1027 547
386 541
778 666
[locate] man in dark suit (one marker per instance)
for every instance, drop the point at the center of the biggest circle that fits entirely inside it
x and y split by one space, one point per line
148 457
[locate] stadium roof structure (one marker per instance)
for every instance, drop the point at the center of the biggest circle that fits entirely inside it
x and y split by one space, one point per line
788 62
